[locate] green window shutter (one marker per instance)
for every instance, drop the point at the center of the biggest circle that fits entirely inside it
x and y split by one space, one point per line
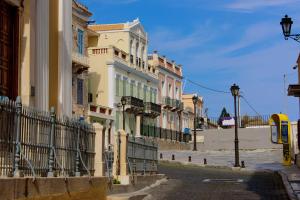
117 120
117 87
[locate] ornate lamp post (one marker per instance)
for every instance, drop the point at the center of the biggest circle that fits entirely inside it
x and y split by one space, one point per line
195 100
235 92
286 24
123 102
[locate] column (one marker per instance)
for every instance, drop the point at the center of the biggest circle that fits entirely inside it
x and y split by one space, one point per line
106 133
42 55
99 149
65 57
138 126
111 86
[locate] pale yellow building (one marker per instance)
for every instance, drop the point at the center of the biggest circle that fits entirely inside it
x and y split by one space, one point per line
119 68
189 111
36 46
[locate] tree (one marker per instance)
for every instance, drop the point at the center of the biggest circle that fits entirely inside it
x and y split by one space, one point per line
223 114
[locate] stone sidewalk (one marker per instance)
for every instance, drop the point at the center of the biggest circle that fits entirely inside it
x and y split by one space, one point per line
291 180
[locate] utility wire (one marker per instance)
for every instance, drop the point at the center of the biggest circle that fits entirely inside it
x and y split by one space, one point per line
250 105
207 88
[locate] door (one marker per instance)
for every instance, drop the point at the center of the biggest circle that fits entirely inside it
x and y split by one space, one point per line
8 34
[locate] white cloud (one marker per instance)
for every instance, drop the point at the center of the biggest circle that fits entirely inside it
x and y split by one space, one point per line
250 5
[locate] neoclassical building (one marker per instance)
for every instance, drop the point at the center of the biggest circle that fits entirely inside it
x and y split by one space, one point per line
169 91
36 49
119 68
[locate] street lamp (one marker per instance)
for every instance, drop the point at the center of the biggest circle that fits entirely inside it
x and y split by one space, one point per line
286 25
235 92
195 100
123 102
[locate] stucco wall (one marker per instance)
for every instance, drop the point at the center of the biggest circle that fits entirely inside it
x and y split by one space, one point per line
53 188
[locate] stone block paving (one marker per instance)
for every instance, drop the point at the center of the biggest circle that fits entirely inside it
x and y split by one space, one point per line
255 160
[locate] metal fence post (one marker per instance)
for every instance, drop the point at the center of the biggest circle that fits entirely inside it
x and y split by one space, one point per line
51 156
77 161
18 135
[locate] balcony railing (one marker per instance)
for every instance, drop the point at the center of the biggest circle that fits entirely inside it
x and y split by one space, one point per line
80 58
173 104
152 109
167 134
133 104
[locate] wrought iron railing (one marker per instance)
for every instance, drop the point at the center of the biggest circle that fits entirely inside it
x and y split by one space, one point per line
142 155
37 143
150 107
133 101
167 134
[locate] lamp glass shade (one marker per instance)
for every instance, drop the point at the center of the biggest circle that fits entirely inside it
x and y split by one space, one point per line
286 24
235 90
123 101
195 99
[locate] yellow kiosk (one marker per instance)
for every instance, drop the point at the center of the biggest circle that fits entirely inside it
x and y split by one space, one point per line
281 134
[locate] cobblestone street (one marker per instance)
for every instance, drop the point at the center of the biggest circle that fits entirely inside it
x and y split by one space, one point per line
188 182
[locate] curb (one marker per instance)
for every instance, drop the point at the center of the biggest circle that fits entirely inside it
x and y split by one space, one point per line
137 195
287 186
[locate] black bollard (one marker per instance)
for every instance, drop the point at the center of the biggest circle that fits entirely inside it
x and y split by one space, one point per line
243 164
173 157
205 161
161 156
190 158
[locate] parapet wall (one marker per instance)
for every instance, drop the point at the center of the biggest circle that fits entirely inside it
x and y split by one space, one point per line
172 145
54 188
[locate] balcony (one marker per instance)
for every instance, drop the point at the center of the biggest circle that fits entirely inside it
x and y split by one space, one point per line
80 59
134 105
172 104
98 111
152 110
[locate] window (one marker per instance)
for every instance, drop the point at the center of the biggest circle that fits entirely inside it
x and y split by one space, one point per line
145 93
170 87
176 92
139 90
132 83
80 41
80 91
124 86
118 80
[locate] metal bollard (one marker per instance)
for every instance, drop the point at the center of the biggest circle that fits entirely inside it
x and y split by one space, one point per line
190 158
161 156
173 157
243 164
205 161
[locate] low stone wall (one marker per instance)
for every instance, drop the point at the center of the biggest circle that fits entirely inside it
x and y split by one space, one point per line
249 139
140 181
172 145
54 188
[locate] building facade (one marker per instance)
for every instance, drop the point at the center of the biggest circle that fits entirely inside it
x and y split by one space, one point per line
35 60
169 91
189 111
119 68
80 61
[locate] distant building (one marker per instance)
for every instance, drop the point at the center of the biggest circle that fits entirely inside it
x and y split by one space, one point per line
80 61
35 61
169 91
189 112
119 68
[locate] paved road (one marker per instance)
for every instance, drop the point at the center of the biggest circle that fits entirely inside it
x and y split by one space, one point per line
188 182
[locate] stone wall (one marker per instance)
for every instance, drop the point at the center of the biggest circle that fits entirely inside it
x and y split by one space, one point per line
172 145
54 188
249 139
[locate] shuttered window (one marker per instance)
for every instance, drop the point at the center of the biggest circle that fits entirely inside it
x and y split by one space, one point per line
80 91
80 41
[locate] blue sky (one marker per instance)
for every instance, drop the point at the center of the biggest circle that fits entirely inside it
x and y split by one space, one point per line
220 43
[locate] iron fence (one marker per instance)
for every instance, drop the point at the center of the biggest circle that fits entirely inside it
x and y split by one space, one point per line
168 134
37 143
141 155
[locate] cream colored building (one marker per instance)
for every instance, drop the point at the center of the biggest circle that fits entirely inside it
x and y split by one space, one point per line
36 47
80 61
189 112
119 68
169 91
